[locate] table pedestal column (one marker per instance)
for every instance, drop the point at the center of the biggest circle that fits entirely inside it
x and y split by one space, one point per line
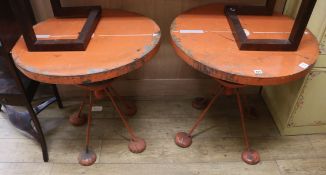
184 139
99 91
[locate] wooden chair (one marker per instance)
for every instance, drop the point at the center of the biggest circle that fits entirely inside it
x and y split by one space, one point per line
15 88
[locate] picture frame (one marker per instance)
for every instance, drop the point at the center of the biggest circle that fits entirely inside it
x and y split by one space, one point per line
290 44
93 14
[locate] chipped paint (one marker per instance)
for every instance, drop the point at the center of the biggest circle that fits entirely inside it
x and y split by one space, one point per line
155 41
95 71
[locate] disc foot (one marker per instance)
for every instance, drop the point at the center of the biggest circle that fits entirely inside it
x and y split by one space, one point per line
183 139
87 158
137 145
251 157
77 119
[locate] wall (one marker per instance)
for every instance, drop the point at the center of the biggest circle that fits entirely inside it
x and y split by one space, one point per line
166 74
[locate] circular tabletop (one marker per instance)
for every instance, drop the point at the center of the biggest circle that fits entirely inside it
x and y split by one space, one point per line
202 37
123 41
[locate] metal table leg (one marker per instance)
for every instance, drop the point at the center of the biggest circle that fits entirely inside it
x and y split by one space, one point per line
136 145
184 140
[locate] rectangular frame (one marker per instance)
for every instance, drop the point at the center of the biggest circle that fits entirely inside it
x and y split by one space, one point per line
93 14
290 44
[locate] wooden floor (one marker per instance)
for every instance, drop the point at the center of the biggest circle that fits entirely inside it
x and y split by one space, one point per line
216 148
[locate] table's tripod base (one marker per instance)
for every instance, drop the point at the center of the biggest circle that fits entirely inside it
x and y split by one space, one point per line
137 145
182 139
251 157
100 90
77 119
200 103
87 158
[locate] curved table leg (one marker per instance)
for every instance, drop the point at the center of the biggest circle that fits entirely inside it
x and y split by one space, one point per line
136 144
88 157
249 155
184 139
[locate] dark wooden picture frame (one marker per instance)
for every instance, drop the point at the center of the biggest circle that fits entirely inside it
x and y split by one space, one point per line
290 44
93 14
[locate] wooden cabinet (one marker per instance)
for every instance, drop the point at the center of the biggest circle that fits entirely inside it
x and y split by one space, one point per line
300 107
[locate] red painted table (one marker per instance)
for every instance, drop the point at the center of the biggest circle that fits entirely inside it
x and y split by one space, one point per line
203 39
122 42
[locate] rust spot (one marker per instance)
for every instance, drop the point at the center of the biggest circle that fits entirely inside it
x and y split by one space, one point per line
95 71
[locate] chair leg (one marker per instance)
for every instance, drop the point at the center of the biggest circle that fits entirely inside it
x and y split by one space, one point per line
184 139
249 155
39 131
88 157
136 144
57 96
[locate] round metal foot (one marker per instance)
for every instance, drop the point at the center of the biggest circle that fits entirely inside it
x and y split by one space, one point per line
251 157
200 103
78 120
99 94
87 158
137 145
183 139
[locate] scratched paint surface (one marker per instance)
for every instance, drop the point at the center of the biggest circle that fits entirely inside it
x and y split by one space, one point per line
202 37
122 42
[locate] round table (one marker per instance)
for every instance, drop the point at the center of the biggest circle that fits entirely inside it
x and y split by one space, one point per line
123 42
202 38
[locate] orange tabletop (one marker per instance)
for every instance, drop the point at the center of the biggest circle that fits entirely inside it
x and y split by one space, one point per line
123 41
202 38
